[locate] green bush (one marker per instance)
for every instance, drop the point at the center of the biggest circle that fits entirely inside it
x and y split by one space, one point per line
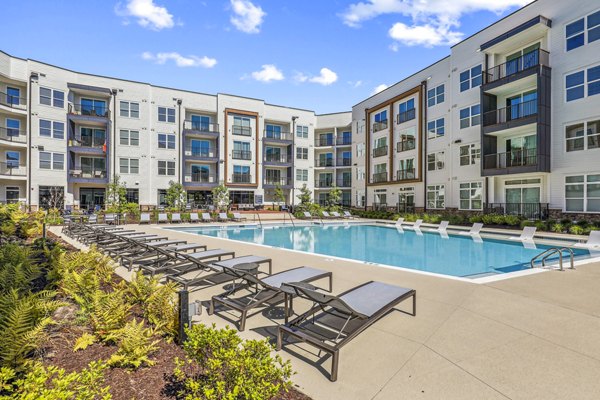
576 230
475 219
526 222
488 219
220 365
558 228
135 342
512 220
498 219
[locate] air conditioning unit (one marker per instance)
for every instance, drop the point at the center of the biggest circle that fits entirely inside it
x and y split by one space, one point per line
188 152
211 179
188 178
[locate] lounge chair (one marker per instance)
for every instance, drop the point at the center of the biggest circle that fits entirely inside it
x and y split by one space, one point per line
194 217
93 219
110 219
326 215
223 217
238 217
206 217
335 214
334 321
162 217
526 235
593 241
442 227
266 291
144 218
399 221
348 215
307 215
176 217
416 225
177 263
475 229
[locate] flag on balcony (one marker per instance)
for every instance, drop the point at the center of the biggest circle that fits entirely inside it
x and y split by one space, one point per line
104 147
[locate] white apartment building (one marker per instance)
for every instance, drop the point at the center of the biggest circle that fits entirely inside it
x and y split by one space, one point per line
66 134
509 122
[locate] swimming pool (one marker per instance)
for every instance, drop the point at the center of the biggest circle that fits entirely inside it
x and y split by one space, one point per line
455 255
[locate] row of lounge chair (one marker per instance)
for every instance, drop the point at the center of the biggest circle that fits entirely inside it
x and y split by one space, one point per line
330 323
145 218
327 215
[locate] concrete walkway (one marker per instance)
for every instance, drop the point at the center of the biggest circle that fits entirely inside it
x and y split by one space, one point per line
531 337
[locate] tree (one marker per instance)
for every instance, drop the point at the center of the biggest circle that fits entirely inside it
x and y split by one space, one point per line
333 198
116 194
306 200
279 195
220 197
176 195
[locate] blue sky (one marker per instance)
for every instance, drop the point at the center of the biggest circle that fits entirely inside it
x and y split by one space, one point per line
322 55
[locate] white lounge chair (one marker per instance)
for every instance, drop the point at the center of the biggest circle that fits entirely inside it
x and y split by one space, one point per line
93 219
326 215
308 215
442 227
144 218
238 217
176 217
335 214
223 217
416 225
526 235
475 229
110 218
347 214
593 241
162 217
399 221
206 217
194 217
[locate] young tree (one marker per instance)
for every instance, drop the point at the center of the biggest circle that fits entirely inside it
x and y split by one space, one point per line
305 198
279 195
176 195
220 197
116 194
334 198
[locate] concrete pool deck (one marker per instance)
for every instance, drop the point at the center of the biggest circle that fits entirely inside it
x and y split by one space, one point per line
528 337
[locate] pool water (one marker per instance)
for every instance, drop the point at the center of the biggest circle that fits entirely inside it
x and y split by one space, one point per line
455 255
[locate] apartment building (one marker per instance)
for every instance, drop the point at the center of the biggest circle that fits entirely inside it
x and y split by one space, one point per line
64 135
509 122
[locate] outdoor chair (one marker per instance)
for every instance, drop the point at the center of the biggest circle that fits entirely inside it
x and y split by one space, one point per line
475 229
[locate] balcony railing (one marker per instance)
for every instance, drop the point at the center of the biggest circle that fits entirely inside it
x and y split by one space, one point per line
89 110
324 141
201 126
324 183
510 113
406 116
201 152
343 162
512 67
380 151
241 155
405 145
526 210
278 135
12 169
200 178
380 177
87 172
275 181
277 158
241 130
379 126
514 158
343 140
87 142
405 174
343 182
324 162
13 101
12 135
241 178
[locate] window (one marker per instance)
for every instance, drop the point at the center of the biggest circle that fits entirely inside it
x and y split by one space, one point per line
576 136
435 196
360 149
360 173
93 107
593 27
593 81
582 193
407 139
132 195
13 127
406 111
435 128
12 159
241 126
12 194
273 131
302 131
50 160
470 78
241 151
470 196
575 34
162 197
129 165
380 121
435 161
301 153
302 175
129 138
92 137
130 109
166 114
575 84
13 95
166 141
53 129
51 196
470 116
469 154
52 97
435 96
166 168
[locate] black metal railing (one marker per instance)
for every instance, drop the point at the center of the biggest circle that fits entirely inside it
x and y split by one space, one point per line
380 177
324 141
324 183
343 162
510 113
346 202
405 145
12 169
89 110
379 126
12 101
376 206
526 210
241 130
97 143
343 140
405 208
268 134
510 159
12 135
343 182
79 171
201 126
380 151
406 116
405 174
526 61
241 178
241 155
277 158
277 181
200 177
324 162
201 152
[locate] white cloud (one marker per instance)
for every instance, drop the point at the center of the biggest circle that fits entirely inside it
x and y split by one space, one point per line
326 78
379 88
180 61
355 84
268 73
434 22
148 14
247 16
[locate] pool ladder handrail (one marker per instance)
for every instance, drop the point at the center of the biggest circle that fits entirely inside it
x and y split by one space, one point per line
259 221
551 251
291 219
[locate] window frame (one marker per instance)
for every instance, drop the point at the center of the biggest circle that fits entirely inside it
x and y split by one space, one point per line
129 111
302 175
470 78
167 116
303 153
166 167
436 128
167 141
54 160
436 189
128 138
584 137
302 131
52 98
470 117
585 198
473 155
433 95
470 199
130 169
439 158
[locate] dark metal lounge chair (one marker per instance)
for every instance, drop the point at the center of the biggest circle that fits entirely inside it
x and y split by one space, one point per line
335 320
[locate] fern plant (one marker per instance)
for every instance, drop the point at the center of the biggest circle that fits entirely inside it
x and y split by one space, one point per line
136 343
108 313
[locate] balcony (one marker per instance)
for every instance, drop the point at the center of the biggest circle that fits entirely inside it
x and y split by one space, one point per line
324 141
406 116
405 145
511 159
18 103
89 110
87 145
200 153
380 151
241 155
525 210
379 177
12 169
79 174
379 126
200 179
13 135
519 67
343 162
324 183
324 162
277 158
241 130
343 141
343 182
405 174
241 178
282 136
200 128
511 116
274 181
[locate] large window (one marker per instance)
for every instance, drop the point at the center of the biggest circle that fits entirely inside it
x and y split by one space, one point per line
50 160
53 129
241 151
166 141
241 126
381 121
302 175
51 196
13 159
435 128
470 196
583 136
52 97
302 131
577 31
129 165
166 114
132 195
93 107
436 195
130 109
302 153
273 131
582 83
470 78
406 111
435 161
92 137
469 154
13 127
470 116
582 193
435 96
129 138
13 95
12 194
166 168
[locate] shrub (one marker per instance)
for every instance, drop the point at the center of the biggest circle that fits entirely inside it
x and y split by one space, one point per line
526 222
498 219
558 228
475 219
108 313
488 219
541 225
135 343
16 268
512 220
576 230
229 367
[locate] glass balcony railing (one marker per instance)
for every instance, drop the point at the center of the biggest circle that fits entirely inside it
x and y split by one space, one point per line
510 113
526 61
510 159
241 178
380 177
89 110
241 130
12 169
277 135
380 151
406 116
405 174
12 135
324 141
241 155
405 145
13 101
201 126
277 181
